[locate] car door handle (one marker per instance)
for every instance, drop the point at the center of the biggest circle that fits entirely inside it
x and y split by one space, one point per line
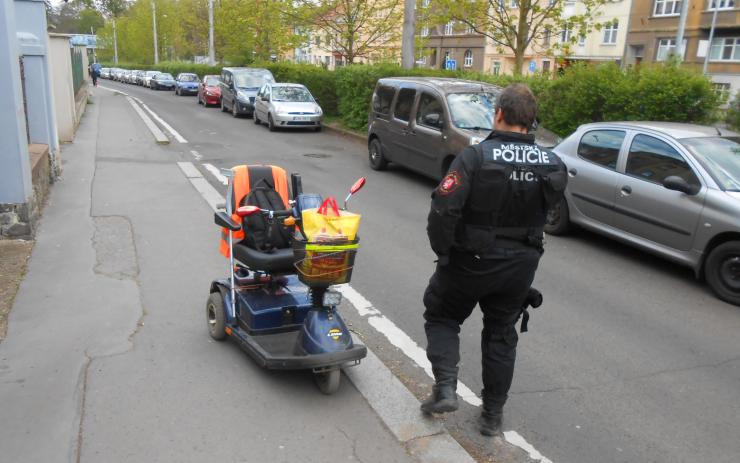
572 172
626 190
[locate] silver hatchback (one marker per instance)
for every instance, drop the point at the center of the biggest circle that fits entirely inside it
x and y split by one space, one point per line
287 106
671 189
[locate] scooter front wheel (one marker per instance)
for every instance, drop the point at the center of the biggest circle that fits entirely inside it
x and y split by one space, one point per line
328 381
216 317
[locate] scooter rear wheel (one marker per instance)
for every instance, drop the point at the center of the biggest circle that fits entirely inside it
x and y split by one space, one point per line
328 381
216 317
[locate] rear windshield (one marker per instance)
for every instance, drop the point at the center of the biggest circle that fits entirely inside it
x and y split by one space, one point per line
293 94
473 111
252 80
720 156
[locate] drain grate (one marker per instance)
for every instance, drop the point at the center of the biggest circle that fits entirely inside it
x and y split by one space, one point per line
317 155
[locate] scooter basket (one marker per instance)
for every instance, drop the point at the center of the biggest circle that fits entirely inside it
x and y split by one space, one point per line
325 263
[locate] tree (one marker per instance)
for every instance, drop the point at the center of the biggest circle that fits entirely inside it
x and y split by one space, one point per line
518 25
75 17
113 9
354 28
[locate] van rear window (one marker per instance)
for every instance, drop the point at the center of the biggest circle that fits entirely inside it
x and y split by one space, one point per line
382 100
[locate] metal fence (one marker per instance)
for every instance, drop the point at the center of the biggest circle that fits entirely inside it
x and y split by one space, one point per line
78 74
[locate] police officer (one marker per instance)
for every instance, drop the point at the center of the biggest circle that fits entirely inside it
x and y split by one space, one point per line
486 226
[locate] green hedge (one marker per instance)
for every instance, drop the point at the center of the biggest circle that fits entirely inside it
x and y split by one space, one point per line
581 94
733 113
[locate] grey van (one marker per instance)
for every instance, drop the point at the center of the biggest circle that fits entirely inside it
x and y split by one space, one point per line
239 87
422 123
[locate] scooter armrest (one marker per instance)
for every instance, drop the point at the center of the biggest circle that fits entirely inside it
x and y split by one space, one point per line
223 220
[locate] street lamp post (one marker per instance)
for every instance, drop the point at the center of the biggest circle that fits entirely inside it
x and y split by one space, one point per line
154 27
711 35
211 45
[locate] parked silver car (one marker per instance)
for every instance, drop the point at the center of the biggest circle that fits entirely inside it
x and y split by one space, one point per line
148 76
670 189
287 106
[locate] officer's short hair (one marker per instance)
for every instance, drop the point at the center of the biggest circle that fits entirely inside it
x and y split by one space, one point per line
519 105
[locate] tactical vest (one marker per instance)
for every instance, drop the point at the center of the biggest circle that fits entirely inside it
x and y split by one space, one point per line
510 194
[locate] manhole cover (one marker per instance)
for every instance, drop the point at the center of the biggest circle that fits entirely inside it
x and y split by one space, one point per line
317 155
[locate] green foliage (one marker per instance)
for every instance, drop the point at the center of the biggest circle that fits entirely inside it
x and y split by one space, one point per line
606 93
733 113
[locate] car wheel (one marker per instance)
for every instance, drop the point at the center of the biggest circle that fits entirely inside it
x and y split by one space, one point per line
223 107
558 219
234 111
270 123
375 155
722 271
317 128
216 317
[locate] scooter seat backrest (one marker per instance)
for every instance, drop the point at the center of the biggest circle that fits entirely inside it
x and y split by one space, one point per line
244 179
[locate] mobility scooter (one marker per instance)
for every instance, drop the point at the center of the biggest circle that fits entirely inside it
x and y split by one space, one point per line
276 302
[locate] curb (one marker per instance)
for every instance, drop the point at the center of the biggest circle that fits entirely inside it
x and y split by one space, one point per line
424 438
159 136
346 133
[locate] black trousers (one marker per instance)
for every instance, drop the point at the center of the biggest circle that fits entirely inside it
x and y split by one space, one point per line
500 283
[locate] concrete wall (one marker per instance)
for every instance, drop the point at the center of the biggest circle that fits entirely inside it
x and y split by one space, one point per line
62 86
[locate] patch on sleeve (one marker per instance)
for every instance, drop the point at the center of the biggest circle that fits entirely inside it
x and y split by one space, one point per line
449 184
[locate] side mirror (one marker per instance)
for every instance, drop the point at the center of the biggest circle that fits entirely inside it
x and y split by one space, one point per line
676 183
245 211
223 220
358 184
433 120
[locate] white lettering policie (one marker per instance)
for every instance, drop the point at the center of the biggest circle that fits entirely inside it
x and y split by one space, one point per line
521 154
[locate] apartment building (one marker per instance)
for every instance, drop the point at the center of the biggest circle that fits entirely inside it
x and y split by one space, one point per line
654 26
604 43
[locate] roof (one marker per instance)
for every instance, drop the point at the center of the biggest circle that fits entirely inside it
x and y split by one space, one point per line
677 130
445 84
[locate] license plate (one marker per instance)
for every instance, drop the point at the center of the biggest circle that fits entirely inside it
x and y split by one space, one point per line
301 118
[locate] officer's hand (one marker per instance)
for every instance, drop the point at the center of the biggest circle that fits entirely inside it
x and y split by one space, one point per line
534 298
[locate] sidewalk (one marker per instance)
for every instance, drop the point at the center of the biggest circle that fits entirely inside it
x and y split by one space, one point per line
107 357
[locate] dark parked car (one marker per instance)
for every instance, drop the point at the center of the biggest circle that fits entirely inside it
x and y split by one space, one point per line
239 87
209 91
423 123
668 188
186 84
163 80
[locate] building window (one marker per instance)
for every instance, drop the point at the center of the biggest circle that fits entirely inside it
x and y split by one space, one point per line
468 61
449 28
666 48
424 31
667 7
469 29
566 33
514 4
546 36
425 3
725 49
496 68
610 32
722 90
721 4
581 40
545 66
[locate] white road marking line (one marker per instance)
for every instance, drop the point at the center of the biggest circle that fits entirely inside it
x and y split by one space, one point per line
159 136
113 90
189 170
216 173
196 155
411 349
376 319
167 126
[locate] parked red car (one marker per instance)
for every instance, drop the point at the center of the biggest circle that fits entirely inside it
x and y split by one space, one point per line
209 93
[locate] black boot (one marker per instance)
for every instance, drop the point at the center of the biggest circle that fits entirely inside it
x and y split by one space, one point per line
489 424
442 400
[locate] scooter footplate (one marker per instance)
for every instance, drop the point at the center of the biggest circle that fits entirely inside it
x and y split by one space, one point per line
277 352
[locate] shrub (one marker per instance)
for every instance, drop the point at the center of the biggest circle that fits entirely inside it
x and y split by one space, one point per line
733 113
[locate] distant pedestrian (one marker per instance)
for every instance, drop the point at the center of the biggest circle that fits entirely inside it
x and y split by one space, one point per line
486 226
95 69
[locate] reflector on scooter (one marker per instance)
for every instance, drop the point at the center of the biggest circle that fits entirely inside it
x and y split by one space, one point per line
332 298
245 211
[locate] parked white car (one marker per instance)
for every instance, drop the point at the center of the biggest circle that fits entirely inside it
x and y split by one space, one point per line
289 106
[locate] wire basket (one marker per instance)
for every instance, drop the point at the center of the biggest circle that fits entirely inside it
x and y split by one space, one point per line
325 263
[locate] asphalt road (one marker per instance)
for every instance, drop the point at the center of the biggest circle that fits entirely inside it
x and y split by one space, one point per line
630 359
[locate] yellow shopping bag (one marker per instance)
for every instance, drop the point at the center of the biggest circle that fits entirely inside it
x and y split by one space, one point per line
328 223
